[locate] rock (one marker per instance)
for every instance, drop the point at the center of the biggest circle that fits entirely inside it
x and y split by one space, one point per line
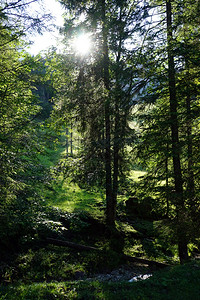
140 277
123 273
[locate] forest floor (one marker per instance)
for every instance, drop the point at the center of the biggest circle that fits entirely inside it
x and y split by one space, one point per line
45 271
37 269
41 270
179 282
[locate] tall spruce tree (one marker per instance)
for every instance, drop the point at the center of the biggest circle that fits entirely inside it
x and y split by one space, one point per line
173 97
112 25
178 178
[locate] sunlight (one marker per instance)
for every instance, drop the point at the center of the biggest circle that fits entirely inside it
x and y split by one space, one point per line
82 44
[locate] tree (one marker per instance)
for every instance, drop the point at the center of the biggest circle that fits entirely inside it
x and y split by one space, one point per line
16 20
180 205
115 77
15 83
19 145
111 25
172 108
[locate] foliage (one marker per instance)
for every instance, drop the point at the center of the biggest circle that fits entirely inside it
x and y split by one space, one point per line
16 20
21 142
19 133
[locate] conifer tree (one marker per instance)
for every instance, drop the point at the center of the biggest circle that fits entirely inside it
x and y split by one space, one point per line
175 101
112 24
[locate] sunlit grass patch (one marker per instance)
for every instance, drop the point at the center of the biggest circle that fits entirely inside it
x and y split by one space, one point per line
50 156
69 196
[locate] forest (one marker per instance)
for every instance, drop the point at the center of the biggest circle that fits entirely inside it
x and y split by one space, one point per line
99 151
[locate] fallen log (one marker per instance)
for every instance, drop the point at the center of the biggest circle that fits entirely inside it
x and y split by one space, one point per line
81 247
151 263
70 244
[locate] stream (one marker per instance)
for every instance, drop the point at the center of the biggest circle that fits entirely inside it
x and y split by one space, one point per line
130 273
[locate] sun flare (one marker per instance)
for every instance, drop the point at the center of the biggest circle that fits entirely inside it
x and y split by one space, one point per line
82 44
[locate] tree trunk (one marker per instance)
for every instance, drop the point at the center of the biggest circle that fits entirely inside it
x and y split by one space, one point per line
67 142
182 240
190 183
116 159
110 211
80 247
167 179
117 137
71 140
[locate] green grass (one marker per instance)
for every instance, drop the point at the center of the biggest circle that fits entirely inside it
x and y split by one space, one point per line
180 283
70 197
62 192
51 156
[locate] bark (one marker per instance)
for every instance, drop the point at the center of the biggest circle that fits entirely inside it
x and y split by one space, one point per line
190 183
71 140
173 109
189 123
67 142
190 186
150 263
182 241
110 212
117 137
70 245
167 180
116 160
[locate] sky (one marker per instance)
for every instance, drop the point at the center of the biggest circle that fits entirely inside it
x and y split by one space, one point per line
47 39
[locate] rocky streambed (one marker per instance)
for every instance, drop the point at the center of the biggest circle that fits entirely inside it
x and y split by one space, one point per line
129 273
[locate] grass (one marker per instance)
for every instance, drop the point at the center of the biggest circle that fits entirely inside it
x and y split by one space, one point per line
179 282
51 156
70 197
62 192
67 195
141 238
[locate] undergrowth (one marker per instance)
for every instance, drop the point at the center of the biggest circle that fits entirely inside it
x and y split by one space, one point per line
180 283
37 270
